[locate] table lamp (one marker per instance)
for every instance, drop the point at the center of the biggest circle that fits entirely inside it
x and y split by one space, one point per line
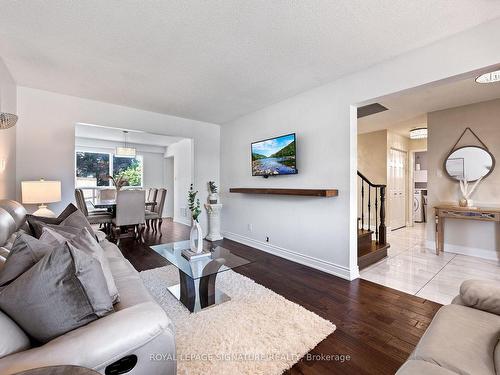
41 192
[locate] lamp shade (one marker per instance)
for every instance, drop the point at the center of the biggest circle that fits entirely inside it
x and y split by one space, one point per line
39 192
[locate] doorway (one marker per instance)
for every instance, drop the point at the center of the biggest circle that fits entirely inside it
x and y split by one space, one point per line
397 178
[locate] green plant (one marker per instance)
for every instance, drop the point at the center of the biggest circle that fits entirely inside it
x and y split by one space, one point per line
194 203
212 187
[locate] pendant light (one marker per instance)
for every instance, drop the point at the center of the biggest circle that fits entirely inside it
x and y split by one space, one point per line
125 151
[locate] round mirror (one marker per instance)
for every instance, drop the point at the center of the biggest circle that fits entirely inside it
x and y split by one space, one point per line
469 163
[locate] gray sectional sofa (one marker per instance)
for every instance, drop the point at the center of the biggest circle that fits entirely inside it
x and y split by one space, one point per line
463 338
133 337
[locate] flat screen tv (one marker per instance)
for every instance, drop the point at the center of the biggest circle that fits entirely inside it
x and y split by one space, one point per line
274 156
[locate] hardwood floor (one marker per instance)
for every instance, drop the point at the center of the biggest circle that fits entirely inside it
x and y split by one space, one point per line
377 327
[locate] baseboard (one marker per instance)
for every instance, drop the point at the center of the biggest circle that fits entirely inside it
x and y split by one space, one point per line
181 221
465 250
319 264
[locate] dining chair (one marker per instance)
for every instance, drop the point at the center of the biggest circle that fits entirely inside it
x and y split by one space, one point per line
129 213
149 194
154 218
94 217
153 195
107 194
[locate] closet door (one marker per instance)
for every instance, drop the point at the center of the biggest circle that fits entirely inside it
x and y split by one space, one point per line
397 188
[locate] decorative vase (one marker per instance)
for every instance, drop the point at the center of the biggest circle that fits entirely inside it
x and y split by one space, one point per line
470 203
213 198
462 202
196 238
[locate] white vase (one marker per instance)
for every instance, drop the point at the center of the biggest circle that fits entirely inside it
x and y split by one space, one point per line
470 203
196 238
213 198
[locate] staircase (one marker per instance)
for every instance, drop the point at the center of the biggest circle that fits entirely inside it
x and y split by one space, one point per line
372 232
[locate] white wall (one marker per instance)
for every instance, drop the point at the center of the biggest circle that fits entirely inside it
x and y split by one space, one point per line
169 184
182 154
46 137
470 237
7 136
321 232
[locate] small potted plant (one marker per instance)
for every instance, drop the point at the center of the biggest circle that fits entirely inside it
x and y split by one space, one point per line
213 197
195 236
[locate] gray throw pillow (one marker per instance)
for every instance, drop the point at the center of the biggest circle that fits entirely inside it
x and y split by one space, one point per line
25 253
84 241
78 220
57 234
65 290
74 220
35 222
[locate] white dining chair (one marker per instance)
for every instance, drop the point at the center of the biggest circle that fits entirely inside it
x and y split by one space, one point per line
129 213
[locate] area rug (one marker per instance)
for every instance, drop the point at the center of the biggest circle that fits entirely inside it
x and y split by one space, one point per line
256 332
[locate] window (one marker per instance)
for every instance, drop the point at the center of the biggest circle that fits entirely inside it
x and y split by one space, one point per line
93 168
130 168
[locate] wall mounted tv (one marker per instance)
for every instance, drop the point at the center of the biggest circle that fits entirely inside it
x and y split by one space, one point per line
274 156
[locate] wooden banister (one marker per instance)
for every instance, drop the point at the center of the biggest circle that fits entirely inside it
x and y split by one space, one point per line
380 228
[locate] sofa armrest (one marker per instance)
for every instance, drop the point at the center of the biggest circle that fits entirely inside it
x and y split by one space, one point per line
480 294
101 342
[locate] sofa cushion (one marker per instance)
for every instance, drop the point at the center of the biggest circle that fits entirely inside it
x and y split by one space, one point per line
111 250
4 252
496 357
460 339
10 242
481 294
66 289
34 221
13 338
412 367
100 235
26 251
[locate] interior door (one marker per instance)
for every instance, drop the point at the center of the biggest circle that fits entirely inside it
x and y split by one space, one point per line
397 188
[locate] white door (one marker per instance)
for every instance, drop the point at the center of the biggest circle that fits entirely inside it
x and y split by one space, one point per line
397 188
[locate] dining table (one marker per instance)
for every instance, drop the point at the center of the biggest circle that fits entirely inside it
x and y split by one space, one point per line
110 205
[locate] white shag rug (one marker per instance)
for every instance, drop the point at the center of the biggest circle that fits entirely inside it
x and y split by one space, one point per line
256 332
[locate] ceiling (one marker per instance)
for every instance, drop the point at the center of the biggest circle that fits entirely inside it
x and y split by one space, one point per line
90 131
408 109
214 60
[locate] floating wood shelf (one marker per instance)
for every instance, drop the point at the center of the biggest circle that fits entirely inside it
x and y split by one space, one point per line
302 192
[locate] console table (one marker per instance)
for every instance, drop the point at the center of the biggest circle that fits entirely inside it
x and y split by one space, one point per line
456 212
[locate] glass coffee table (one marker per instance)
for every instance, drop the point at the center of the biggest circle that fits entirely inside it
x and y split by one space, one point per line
196 289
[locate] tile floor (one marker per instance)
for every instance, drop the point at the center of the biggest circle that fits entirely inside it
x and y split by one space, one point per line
412 268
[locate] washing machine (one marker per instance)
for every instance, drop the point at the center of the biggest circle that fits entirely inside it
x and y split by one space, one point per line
418 205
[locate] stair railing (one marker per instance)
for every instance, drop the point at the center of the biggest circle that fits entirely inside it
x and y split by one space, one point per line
379 202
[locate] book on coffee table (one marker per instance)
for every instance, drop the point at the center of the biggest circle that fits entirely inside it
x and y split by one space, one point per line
193 255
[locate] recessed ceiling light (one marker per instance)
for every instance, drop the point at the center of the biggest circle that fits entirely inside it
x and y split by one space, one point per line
489 77
418 133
